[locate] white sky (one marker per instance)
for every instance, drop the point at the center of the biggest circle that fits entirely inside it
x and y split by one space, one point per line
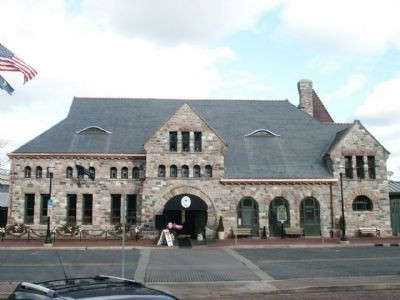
204 49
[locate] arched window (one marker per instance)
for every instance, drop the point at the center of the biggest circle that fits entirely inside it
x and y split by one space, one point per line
161 171
113 172
39 172
135 173
124 173
208 171
28 172
196 171
92 172
185 171
362 203
69 173
173 171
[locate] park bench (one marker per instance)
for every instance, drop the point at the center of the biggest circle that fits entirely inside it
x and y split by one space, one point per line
241 231
369 231
294 231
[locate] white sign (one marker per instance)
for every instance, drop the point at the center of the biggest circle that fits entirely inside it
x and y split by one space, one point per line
185 201
165 234
168 237
49 207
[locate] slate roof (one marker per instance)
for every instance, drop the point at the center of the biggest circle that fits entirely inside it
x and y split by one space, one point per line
297 151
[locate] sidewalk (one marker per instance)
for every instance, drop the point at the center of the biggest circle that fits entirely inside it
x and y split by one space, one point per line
241 242
227 288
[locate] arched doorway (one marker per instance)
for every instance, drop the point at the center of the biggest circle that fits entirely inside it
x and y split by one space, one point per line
247 215
310 217
187 210
275 227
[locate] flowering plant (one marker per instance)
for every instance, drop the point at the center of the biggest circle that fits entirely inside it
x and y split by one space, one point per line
70 228
119 227
17 228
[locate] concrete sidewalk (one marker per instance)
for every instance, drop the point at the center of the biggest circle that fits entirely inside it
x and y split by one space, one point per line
229 289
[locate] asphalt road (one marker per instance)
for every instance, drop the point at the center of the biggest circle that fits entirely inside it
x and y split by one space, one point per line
201 264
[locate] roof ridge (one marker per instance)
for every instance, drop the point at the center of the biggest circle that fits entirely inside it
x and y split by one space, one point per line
179 99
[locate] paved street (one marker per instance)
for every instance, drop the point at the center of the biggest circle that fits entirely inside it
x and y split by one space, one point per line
223 271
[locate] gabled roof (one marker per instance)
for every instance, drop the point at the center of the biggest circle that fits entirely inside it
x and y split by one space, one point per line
297 152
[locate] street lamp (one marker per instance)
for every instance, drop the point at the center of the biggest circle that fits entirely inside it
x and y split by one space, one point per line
48 241
343 238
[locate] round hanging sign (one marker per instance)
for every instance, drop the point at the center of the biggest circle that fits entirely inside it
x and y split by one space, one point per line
185 201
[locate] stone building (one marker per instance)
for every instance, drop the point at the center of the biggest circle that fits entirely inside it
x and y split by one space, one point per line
192 161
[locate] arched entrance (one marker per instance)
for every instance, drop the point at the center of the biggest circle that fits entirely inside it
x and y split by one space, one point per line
275 227
310 217
187 210
247 215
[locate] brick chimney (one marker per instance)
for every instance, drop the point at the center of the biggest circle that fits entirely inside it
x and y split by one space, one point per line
306 96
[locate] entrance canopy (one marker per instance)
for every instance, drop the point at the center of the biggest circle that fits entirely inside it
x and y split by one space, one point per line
187 202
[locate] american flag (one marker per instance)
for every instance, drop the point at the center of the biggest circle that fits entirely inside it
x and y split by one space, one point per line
10 62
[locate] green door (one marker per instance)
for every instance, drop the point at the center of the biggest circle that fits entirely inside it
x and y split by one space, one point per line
309 217
247 215
395 215
275 227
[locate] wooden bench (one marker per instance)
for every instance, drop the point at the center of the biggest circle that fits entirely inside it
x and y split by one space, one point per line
241 231
293 231
369 231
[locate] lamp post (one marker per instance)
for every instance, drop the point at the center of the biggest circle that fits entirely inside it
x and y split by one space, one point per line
48 241
343 238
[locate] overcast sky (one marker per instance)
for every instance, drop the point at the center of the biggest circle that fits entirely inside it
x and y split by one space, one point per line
229 49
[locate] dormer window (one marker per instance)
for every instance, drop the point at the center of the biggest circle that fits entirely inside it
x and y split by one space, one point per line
28 172
93 130
360 167
185 141
197 141
348 166
173 141
371 167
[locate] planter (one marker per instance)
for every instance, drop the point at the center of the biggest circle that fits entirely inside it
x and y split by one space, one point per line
221 235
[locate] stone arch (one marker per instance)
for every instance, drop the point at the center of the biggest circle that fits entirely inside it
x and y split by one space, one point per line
211 212
362 192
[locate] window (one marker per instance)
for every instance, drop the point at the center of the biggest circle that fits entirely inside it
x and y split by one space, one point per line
173 171
196 171
69 173
362 203
185 141
43 208
71 208
185 171
161 171
115 209
131 209
360 166
124 173
208 171
371 167
28 172
197 141
39 172
173 141
348 165
135 173
87 209
92 173
29 208
113 172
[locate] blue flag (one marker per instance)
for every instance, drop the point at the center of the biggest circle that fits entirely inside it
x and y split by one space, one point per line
82 171
4 85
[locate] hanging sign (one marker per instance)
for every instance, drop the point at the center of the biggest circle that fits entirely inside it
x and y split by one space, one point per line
281 214
186 201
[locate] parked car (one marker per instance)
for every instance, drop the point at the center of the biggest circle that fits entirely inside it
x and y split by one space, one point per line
98 287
